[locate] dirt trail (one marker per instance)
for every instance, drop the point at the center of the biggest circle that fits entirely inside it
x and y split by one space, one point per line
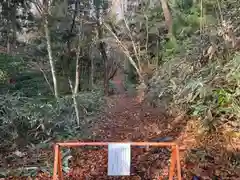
126 120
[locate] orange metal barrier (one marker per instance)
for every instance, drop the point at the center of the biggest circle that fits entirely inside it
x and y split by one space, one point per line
175 159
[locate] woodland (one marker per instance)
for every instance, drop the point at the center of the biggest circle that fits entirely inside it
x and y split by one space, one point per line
120 70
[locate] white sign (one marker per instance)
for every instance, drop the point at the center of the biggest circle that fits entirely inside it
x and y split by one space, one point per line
119 159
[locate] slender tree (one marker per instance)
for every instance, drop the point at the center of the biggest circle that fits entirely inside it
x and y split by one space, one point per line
167 15
46 14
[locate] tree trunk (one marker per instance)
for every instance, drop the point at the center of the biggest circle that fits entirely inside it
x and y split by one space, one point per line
92 71
105 61
90 68
118 8
102 50
46 13
77 68
77 72
75 103
14 25
52 65
167 16
8 44
75 90
8 30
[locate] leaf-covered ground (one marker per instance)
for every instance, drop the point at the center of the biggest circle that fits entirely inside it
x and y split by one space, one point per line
207 156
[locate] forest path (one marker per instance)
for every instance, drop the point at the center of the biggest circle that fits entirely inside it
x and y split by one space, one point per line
126 120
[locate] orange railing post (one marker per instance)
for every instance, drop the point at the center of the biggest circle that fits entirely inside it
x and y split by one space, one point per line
56 164
174 165
60 170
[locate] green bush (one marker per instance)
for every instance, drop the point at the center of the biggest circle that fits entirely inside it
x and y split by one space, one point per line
38 119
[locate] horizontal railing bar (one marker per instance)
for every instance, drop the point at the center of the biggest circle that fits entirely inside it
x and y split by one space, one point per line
74 144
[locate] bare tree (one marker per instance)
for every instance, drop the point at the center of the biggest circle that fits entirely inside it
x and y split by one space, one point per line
77 67
46 13
167 15
102 48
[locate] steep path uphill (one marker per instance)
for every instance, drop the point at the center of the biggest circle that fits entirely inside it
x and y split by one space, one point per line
126 120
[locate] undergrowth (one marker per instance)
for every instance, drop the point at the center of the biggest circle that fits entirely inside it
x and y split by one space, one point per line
39 120
29 112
